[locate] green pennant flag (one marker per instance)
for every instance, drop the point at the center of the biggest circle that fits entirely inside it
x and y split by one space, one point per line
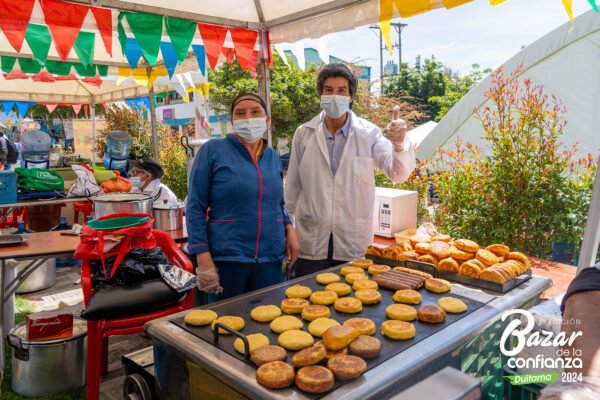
102 70
84 48
88 71
147 30
121 32
58 67
30 66
7 64
38 38
181 32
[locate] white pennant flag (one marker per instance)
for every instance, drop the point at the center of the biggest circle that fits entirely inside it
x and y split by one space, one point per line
299 53
322 50
281 52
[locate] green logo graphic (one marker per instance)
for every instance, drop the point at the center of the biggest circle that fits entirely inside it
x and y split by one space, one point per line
532 378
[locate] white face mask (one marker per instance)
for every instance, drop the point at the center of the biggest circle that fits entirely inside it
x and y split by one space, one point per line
335 106
251 129
136 182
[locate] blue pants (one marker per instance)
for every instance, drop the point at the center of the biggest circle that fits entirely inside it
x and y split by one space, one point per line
238 278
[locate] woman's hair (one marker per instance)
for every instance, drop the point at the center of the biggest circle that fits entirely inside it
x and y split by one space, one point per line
248 96
337 71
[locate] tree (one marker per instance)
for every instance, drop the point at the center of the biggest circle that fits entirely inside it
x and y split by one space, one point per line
294 99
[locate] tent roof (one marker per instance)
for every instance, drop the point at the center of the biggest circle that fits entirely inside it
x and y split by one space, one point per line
565 63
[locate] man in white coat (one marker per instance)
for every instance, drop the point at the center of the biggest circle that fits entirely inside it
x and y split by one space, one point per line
330 185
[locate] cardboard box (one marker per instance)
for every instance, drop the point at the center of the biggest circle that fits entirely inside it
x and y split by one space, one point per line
49 326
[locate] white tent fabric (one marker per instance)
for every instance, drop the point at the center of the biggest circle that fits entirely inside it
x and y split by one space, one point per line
566 64
420 133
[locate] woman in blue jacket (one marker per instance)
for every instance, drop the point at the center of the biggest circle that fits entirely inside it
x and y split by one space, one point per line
236 221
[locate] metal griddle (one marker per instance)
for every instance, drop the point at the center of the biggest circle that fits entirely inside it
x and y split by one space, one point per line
376 313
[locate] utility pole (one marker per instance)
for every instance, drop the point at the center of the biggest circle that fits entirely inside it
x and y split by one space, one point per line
398 27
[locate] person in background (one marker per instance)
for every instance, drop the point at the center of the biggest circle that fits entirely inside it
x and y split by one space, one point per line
145 175
3 151
54 138
236 220
330 185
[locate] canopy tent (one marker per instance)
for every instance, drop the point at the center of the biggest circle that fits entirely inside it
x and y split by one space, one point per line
420 133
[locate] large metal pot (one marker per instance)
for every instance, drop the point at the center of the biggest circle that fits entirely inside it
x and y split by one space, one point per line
48 367
111 203
41 278
168 216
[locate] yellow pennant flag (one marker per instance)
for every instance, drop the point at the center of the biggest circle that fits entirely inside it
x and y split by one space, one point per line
568 4
455 3
410 8
155 73
122 74
386 12
496 2
140 75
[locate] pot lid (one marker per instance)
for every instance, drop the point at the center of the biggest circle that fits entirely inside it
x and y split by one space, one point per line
20 332
167 205
121 197
117 222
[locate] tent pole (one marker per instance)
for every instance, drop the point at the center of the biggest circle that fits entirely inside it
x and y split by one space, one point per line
153 119
93 117
591 237
264 86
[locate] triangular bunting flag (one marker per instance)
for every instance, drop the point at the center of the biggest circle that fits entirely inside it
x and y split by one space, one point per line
51 107
93 80
228 53
133 52
85 110
106 106
386 12
568 4
102 70
23 106
103 18
39 40
58 68
280 51
244 41
7 63
43 77
77 108
213 38
69 77
30 66
14 18
65 21
299 53
181 32
147 29
169 57
7 106
85 72
200 57
252 62
593 4
84 48
15 74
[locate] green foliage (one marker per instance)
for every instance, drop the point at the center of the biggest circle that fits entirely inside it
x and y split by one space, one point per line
174 162
524 190
294 100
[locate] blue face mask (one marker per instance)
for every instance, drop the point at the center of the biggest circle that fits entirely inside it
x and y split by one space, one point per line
335 106
251 129
136 182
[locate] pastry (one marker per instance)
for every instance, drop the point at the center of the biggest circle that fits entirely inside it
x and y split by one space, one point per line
314 311
314 379
397 280
407 296
374 251
348 305
364 326
298 291
452 305
309 356
275 375
347 367
327 278
422 248
507 268
340 288
378 269
350 278
486 257
323 297
515 255
466 245
448 264
365 347
518 267
495 274
286 323
320 325
414 272
499 250
437 285
265 313
338 337
365 284
401 312
428 258
295 340
478 263
331 353
439 249
419 239
409 255
200 317
470 268
431 313
441 238
460 255
233 322
368 296
398 330
351 270
362 263
255 340
266 354
293 305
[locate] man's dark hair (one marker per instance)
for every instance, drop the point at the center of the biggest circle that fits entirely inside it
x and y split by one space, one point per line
337 71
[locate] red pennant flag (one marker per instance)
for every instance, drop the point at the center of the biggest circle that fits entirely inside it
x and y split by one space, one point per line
244 41
64 21
106 106
76 108
252 62
69 77
213 38
85 110
15 74
94 81
228 52
103 18
14 18
269 50
51 107
43 77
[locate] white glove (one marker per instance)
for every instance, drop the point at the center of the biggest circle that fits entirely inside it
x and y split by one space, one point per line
208 281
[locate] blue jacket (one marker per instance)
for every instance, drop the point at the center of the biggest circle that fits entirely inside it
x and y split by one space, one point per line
246 214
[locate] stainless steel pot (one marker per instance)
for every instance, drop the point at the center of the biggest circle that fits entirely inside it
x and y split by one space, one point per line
168 216
110 203
48 367
41 278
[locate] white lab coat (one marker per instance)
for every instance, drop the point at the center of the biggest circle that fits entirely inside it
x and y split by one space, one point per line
321 203
159 191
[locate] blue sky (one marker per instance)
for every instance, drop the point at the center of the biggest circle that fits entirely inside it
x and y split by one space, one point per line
472 33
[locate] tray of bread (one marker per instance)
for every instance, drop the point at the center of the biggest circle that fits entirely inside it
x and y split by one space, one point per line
493 267
320 331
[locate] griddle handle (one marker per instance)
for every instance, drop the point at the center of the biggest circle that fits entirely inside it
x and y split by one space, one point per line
233 332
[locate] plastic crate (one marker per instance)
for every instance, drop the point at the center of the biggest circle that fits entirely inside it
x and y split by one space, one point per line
8 187
521 392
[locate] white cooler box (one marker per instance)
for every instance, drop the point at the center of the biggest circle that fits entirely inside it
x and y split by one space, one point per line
394 211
